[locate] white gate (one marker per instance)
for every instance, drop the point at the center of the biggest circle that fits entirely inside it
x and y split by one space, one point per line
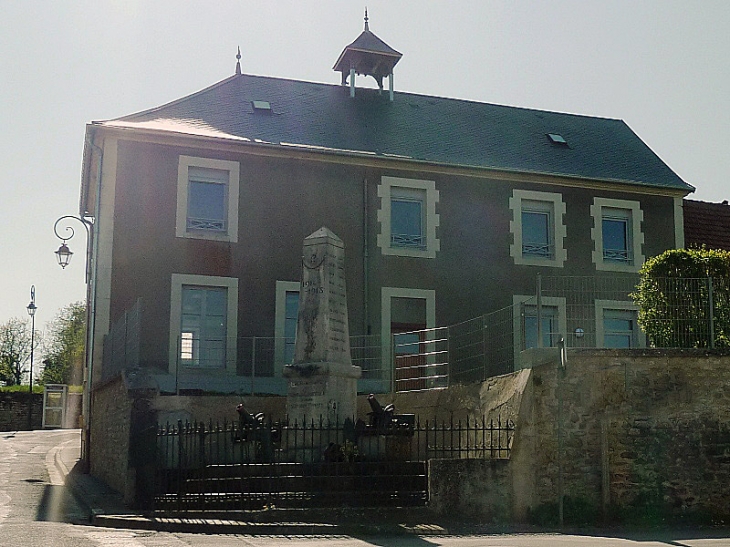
54 405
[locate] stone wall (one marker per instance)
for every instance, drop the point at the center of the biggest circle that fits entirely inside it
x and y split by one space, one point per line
215 408
629 435
110 437
14 411
472 489
496 398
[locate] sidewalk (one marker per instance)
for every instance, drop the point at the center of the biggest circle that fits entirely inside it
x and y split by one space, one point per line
106 507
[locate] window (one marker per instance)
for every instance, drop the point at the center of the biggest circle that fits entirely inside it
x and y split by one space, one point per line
555 138
524 320
616 325
537 228
550 329
203 322
207 199
617 235
408 218
285 328
203 326
616 228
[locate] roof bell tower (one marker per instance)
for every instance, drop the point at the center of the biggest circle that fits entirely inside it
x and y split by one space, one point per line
368 55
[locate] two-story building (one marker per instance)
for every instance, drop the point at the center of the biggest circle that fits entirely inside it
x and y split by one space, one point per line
448 209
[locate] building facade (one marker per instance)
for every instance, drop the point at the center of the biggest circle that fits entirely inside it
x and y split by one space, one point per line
449 209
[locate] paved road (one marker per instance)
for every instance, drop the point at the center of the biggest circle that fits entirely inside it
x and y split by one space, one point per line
37 510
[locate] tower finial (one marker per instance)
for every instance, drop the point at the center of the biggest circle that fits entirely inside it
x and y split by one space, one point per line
238 61
366 19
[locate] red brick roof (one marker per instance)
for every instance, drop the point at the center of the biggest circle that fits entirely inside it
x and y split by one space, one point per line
707 224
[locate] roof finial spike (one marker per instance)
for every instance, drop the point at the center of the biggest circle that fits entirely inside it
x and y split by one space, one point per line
238 61
366 19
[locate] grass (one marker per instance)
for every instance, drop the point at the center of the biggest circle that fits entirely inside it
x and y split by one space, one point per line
36 389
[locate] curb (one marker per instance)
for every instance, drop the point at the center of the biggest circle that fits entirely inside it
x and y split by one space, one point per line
223 526
75 482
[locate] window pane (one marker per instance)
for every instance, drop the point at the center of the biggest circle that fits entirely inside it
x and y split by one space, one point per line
204 329
188 350
619 328
536 234
406 222
549 326
407 343
615 240
207 206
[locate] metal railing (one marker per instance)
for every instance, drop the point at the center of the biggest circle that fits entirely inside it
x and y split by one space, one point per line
469 351
193 445
238 465
684 312
262 356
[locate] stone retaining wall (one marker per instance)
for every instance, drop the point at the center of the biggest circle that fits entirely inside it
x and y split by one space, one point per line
110 437
14 411
632 435
628 435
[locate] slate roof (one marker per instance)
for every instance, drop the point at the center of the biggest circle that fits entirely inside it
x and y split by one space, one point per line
367 42
437 130
707 224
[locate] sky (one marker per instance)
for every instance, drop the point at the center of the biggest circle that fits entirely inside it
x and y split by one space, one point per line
663 66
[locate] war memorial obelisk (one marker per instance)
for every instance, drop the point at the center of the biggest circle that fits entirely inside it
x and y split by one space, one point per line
322 381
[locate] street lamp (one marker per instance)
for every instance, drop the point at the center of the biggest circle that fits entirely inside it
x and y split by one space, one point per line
63 255
32 308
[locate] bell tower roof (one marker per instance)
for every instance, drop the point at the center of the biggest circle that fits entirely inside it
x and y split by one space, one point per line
368 55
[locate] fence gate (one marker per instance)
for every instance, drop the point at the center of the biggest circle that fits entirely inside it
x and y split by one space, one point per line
54 405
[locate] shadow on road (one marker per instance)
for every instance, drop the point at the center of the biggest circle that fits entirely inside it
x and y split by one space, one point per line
58 504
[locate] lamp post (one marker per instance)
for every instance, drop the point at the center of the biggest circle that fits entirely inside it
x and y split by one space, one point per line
63 256
32 308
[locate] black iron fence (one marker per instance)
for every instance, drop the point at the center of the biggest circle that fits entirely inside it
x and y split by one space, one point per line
237 466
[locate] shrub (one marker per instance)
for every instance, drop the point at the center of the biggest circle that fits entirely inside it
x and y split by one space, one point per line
673 296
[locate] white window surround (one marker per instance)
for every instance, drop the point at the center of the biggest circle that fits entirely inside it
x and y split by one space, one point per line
386 296
623 305
531 300
229 283
554 202
233 168
636 217
385 193
282 287
678 223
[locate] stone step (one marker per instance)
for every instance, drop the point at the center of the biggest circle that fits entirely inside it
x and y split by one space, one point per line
288 500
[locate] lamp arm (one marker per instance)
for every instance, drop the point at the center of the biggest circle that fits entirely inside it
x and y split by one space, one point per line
86 224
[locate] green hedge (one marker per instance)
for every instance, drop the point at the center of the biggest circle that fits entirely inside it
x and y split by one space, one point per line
674 296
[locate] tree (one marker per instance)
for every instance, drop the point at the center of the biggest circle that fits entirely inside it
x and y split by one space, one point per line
15 340
65 349
684 298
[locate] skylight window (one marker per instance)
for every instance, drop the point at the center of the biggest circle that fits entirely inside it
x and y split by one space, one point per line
262 106
555 138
